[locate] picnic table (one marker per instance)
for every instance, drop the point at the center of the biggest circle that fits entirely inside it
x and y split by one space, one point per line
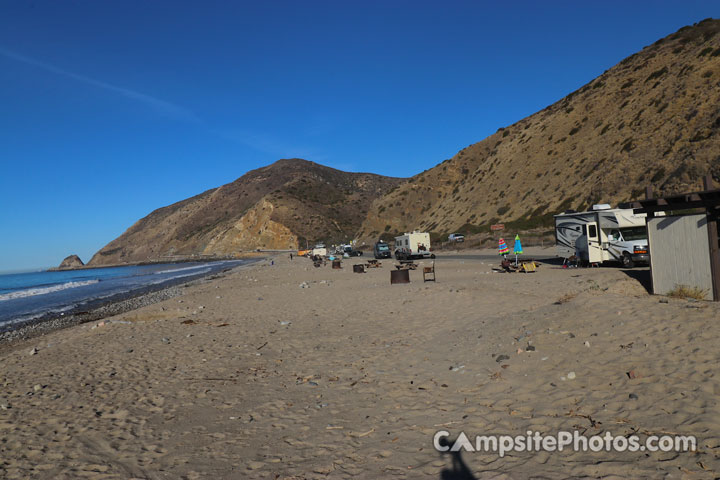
406 265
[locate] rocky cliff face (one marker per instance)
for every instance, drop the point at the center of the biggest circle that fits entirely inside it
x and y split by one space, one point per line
274 207
653 119
69 263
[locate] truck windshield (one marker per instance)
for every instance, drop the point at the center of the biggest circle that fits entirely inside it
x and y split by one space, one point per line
634 233
383 248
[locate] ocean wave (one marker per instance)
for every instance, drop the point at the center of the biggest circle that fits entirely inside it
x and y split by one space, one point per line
33 315
189 274
31 292
195 267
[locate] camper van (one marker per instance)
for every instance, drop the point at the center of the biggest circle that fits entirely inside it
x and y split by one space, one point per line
382 250
413 245
602 234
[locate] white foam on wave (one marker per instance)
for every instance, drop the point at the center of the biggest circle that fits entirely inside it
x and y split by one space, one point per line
31 292
189 274
180 269
32 316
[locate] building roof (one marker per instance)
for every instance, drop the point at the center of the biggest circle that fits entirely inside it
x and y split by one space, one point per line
707 199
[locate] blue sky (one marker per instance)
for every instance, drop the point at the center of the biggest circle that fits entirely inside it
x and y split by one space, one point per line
111 109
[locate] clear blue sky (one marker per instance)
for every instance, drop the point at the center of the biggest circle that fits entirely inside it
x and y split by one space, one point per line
111 109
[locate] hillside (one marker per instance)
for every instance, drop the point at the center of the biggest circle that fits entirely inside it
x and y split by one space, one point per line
652 119
274 207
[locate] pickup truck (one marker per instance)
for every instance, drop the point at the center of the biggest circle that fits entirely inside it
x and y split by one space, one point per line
456 237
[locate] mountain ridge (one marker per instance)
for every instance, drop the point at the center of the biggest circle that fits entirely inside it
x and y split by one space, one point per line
652 119
274 207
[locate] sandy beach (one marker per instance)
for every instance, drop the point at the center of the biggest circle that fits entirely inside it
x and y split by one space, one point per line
282 370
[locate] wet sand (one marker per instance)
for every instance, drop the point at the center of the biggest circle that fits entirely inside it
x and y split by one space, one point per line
97 309
290 371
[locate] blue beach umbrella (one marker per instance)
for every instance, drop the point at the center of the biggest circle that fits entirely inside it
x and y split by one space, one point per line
518 248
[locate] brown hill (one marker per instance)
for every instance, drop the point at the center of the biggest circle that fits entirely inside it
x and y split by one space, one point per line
652 119
274 207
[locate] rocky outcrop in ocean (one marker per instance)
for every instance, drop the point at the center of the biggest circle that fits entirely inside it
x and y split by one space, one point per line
70 262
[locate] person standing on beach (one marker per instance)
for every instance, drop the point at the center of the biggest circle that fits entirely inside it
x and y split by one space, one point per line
290 255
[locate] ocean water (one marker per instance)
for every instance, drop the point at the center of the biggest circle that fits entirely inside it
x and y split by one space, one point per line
27 296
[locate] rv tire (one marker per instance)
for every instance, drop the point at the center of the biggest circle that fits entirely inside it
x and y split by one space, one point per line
627 261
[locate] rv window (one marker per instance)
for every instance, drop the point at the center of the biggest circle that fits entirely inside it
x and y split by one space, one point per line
592 229
634 233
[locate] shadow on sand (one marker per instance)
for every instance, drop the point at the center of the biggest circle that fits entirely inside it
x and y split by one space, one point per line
458 469
554 261
642 276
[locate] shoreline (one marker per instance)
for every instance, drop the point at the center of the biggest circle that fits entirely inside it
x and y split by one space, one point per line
99 309
246 256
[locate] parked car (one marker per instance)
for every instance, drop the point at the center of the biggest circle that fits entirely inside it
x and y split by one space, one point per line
456 237
349 251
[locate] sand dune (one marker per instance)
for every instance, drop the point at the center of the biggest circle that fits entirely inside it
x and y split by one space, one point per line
252 376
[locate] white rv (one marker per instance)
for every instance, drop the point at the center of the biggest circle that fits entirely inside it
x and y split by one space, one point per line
602 234
319 250
413 245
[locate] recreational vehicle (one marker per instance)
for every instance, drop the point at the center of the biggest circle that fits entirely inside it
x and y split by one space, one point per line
413 245
602 234
319 250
